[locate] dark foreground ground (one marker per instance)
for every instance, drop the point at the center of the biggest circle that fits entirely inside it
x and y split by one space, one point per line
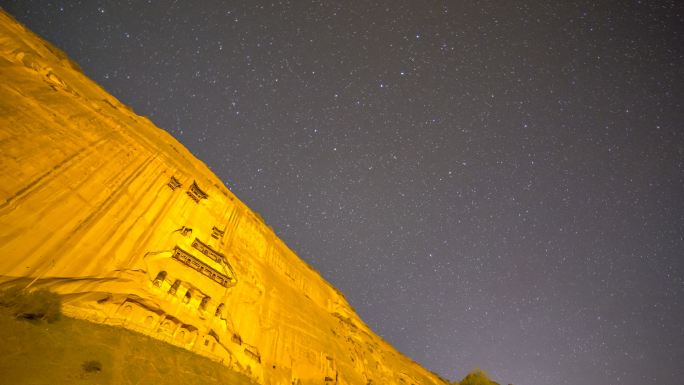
71 351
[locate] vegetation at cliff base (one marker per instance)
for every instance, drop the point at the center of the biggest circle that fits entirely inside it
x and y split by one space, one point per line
40 304
71 351
476 377
92 366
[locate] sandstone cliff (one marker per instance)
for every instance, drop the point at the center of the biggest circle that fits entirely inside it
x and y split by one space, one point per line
101 206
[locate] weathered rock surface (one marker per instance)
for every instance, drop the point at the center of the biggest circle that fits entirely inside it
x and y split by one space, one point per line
101 206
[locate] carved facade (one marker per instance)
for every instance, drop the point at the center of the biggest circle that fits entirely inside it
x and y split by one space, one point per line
196 193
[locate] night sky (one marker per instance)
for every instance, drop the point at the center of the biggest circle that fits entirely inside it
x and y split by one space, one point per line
494 184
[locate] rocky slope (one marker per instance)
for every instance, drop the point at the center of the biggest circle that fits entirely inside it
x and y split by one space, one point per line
72 351
101 206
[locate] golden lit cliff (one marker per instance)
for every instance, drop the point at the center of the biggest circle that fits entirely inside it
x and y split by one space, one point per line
101 206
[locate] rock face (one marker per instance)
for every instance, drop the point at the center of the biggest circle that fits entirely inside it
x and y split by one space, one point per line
101 206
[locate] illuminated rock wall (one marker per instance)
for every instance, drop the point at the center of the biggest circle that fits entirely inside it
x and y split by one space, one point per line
100 205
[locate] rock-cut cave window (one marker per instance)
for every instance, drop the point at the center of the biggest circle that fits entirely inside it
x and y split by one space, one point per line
196 193
159 279
174 287
174 183
203 304
187 297
217 233
236 339
219 311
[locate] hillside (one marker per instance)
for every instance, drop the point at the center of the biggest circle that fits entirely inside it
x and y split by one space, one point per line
39 353
99 205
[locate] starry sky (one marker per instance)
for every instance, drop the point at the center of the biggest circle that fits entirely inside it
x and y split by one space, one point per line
493 184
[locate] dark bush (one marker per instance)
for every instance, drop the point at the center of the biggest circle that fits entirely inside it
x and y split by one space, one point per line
92 366
10 296
476 377
40 304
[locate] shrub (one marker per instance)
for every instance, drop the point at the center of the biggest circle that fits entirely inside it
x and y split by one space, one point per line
476 377
10 296
92 366
40 304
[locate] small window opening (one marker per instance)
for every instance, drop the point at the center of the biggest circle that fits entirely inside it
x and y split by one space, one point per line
217 233
159 279
196 193
219 311
203 304
174 183
174 287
